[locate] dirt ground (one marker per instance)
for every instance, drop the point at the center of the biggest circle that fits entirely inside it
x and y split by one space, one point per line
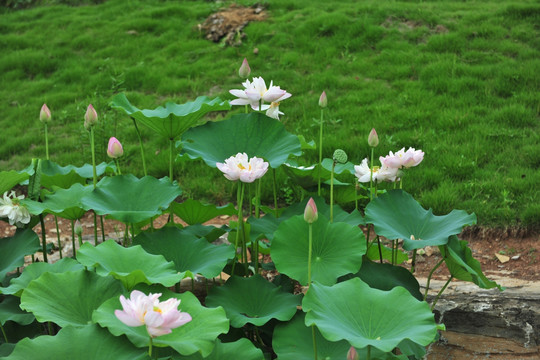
522 249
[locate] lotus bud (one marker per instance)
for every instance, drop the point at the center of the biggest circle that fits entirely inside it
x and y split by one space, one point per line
373 139
340 156
78 228
352 354
244 70
45 114
90 118
310 213
323 101
114 150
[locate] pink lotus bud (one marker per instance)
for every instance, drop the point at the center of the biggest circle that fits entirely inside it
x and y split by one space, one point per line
45 114
323 101
90 118
373 139
352 354
114 150
310 213
78 228
244 70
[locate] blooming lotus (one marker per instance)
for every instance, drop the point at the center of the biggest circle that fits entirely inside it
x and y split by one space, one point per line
256 93
114 150
159 317
380 173
403 158
11 208
238 167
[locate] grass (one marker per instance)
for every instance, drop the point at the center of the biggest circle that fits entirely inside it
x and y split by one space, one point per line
460 80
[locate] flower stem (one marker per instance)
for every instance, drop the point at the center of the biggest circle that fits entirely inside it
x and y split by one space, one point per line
332 192
413 263
171 146
368 355
320 154
310 251
430 275
257 215
92 147
150 348
95 230
43 238
440 293
371 176
380 250
102 229
73 238
314 341
275 193
140 145
393 250
4 333
117 167
46 142
58 236
239 200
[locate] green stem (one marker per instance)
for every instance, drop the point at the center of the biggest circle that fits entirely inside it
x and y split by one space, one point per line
367 237
141 146
257 214
43 238
4 333
310 251
380 250
440 293
95 230
150 348
102 228
117 167
58 236
171 146
356 196
320 154
92 147
73 238
430 275
250 201
247 109
371 176
314 341
332 192
393 250
46 143
50 328
239 200
368 355
132 233
275 192
413 262
80 240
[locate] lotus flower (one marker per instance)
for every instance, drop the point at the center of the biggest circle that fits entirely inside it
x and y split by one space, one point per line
256 92
310 213
11 208
159 317
244 70
114 150
373 138
239 168
352 354
90 117
45 114
403 158
323 101
380 173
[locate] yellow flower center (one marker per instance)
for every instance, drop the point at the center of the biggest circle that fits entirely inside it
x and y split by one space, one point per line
242 167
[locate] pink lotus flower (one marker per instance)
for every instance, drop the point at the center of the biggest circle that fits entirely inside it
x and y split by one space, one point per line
323 101
114 150
90 117
373 138
403 158
380 173
310 213
239 168
45 114
159 317
352 354
244 70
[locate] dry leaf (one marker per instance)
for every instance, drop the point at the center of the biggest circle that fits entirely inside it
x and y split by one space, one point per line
502 258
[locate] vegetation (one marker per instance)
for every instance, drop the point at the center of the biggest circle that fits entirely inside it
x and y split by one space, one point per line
459 80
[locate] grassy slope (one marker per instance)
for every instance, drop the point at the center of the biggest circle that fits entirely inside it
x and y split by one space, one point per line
459 80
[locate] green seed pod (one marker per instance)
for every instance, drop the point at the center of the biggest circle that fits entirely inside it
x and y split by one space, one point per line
340 156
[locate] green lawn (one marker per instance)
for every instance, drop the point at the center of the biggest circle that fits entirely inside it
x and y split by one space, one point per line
459 80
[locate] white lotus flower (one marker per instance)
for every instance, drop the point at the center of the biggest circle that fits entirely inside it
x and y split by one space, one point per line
11 208
239 168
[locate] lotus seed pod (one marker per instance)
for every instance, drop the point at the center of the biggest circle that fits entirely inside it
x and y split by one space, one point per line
340 156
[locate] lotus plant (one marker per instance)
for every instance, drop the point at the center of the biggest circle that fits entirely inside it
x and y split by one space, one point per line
45 118
256 93
115 150
11 207
323 102
158 317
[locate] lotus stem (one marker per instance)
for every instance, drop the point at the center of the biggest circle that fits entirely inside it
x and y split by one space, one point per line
239 200
320 154
140 145
250 202
150 348
95 230
430 275
393 250
275 192
58 236
310 250
43 238
380 250
46 142
371 176
332 192
132 233
73 238
413 263
80 240
171 146
314 341
117 167
92 147
4 333
102 229
257 208
440 293
368 355
356 196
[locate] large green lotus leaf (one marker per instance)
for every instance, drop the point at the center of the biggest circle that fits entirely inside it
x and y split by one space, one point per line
190 254
337 249
68 298
387 276
210 233
129 199
293 340
463 266
265 225
254 133
13 250
364 316
89 342
173 119
8 179
253 300
53 174
198 335
240 349
35 270
64 203
396 215
308 176
130 265
194 212
10 311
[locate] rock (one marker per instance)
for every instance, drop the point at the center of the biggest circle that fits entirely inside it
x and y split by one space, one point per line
502 258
